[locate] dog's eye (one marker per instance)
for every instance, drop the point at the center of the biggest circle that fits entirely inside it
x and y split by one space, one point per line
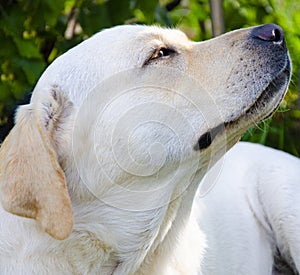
162 52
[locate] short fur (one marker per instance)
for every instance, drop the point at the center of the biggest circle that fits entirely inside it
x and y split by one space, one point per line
104 159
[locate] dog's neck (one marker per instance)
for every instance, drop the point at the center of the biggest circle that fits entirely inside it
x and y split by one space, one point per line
141 239
128 241
176 232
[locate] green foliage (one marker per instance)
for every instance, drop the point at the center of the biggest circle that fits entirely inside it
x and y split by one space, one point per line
34 32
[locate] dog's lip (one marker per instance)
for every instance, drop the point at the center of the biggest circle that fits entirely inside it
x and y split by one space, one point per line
272 89
267 93
207 138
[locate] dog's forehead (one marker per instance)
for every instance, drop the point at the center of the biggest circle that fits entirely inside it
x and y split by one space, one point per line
146 34
164 35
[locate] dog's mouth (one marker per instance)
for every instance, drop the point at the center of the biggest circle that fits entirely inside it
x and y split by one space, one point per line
264 106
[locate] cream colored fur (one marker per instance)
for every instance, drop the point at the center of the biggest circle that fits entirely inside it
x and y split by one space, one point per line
251 217
105 159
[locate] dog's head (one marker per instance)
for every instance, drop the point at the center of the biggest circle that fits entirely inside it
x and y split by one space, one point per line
134 109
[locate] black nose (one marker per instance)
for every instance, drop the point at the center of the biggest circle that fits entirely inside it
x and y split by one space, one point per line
269 33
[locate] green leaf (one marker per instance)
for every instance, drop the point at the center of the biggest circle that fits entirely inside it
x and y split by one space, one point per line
32 69
147 7
27 48
119 11
94 17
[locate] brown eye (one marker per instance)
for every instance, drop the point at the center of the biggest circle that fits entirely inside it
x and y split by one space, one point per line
162 52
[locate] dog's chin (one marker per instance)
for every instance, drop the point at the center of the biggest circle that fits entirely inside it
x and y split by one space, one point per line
264 106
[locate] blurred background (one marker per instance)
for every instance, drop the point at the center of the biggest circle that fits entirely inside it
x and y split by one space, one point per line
34 32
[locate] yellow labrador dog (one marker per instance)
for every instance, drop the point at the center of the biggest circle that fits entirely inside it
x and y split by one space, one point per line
100 172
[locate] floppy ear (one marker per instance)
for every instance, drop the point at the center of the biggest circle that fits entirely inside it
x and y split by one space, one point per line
32 183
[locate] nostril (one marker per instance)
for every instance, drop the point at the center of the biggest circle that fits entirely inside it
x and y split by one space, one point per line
269 32
277 35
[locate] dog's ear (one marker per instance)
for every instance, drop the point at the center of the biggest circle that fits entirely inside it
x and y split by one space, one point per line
32 183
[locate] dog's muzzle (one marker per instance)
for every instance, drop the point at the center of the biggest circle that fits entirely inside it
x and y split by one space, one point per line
268 42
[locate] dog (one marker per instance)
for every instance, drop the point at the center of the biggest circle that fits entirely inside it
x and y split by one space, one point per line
99 173
251 216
